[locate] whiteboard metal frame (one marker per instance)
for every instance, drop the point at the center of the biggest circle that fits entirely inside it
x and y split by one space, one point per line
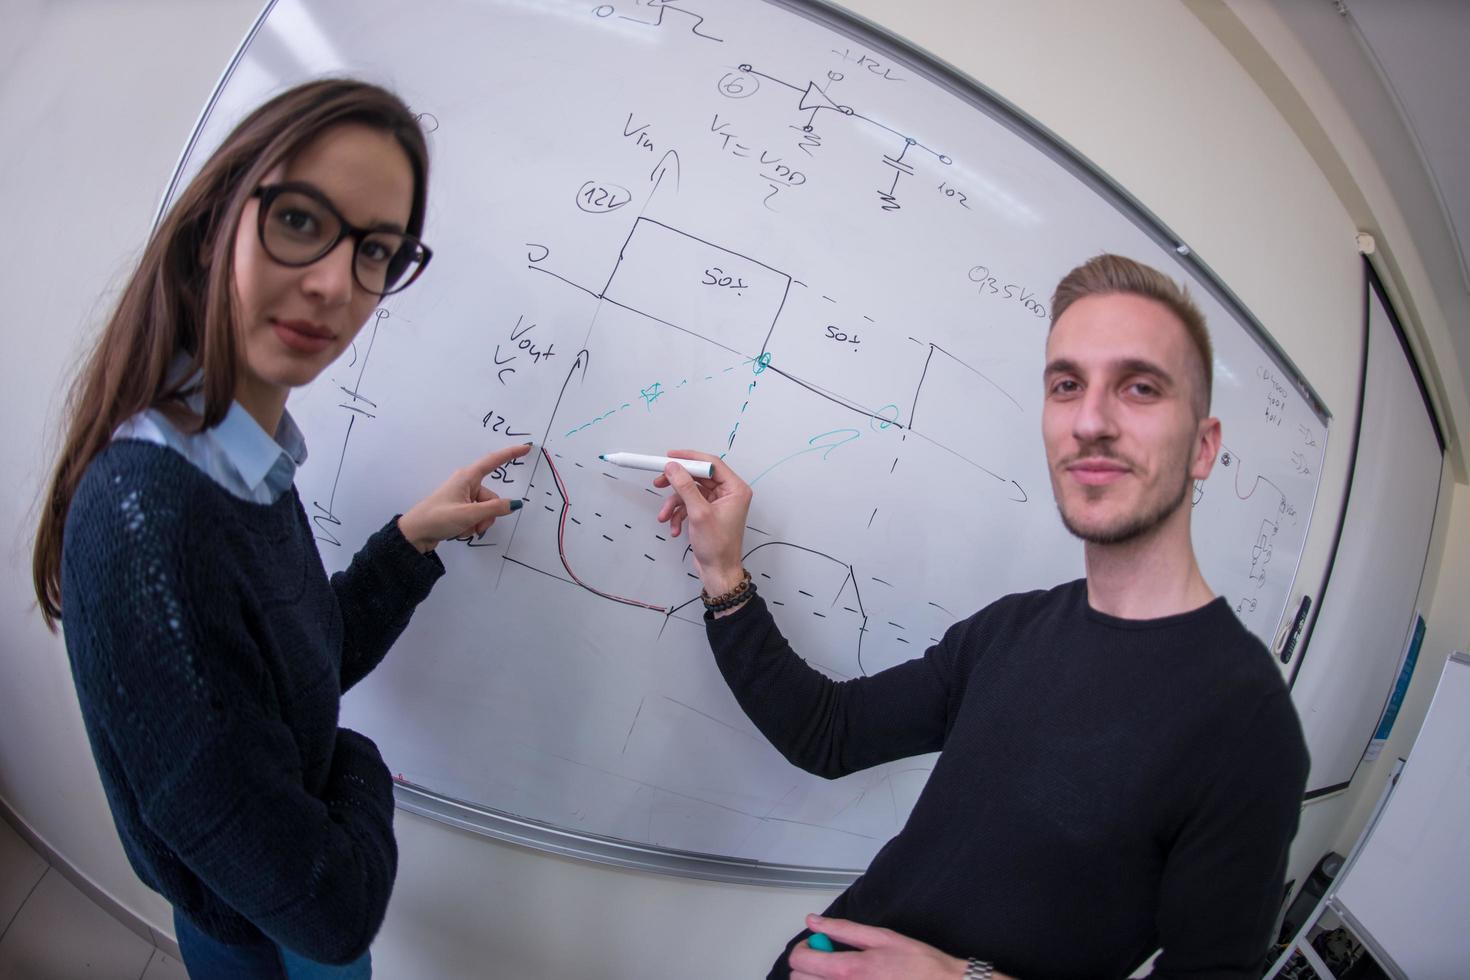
478 819
1372 286
539 836
173 182
1381 291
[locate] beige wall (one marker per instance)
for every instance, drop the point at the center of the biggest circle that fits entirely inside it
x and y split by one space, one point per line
95 109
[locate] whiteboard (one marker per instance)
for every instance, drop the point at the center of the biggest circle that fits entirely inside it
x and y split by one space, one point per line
762 230
1351 659
1404 894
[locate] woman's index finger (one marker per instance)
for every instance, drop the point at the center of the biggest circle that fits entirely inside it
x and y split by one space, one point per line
488 463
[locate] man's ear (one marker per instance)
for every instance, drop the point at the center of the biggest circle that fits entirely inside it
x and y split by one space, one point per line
1206 448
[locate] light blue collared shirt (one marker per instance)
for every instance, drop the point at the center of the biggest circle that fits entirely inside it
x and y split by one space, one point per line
236 454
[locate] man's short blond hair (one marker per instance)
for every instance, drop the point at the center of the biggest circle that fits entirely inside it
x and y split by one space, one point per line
1106 273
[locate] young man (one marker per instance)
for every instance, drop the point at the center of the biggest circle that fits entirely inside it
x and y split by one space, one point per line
1121 767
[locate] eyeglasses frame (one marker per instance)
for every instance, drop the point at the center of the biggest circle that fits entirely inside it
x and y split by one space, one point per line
266 193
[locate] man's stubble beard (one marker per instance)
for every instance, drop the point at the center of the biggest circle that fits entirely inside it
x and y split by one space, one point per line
1131 528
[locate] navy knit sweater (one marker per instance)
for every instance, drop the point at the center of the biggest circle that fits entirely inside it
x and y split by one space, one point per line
210 653
1104 786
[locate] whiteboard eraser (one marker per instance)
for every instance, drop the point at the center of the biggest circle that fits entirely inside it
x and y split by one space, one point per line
1366 244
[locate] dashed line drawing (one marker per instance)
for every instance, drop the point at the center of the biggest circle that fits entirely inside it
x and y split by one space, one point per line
566 506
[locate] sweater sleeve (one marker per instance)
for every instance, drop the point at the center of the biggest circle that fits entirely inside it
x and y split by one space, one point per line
175 690
832 728
377 595
1225 873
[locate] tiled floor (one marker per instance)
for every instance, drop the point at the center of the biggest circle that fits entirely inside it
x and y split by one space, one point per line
51 931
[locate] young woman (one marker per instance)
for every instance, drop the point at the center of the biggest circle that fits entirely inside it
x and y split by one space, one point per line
209 650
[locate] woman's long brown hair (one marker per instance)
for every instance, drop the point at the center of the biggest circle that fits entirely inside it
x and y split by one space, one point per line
182 297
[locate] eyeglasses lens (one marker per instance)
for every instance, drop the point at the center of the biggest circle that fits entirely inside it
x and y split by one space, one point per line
298 230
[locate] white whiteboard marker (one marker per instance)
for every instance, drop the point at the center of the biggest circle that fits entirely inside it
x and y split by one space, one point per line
656 464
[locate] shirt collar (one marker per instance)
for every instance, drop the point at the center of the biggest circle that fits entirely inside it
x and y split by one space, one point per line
251 451
243 442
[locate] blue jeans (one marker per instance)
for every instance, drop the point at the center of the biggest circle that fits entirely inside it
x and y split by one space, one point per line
206 958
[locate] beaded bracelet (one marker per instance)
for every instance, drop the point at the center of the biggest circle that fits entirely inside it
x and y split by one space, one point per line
978 969
731 599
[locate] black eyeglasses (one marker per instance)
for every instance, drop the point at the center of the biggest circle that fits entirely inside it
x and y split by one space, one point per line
298 225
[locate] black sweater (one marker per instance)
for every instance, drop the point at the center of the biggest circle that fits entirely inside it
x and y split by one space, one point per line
1105 786
210 653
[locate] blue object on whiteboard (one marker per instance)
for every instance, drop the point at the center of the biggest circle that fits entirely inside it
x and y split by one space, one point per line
1406 672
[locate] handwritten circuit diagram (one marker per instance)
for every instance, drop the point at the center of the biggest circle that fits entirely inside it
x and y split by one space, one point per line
728 228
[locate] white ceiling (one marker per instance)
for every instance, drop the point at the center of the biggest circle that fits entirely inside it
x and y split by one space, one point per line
1421 49
1401 70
